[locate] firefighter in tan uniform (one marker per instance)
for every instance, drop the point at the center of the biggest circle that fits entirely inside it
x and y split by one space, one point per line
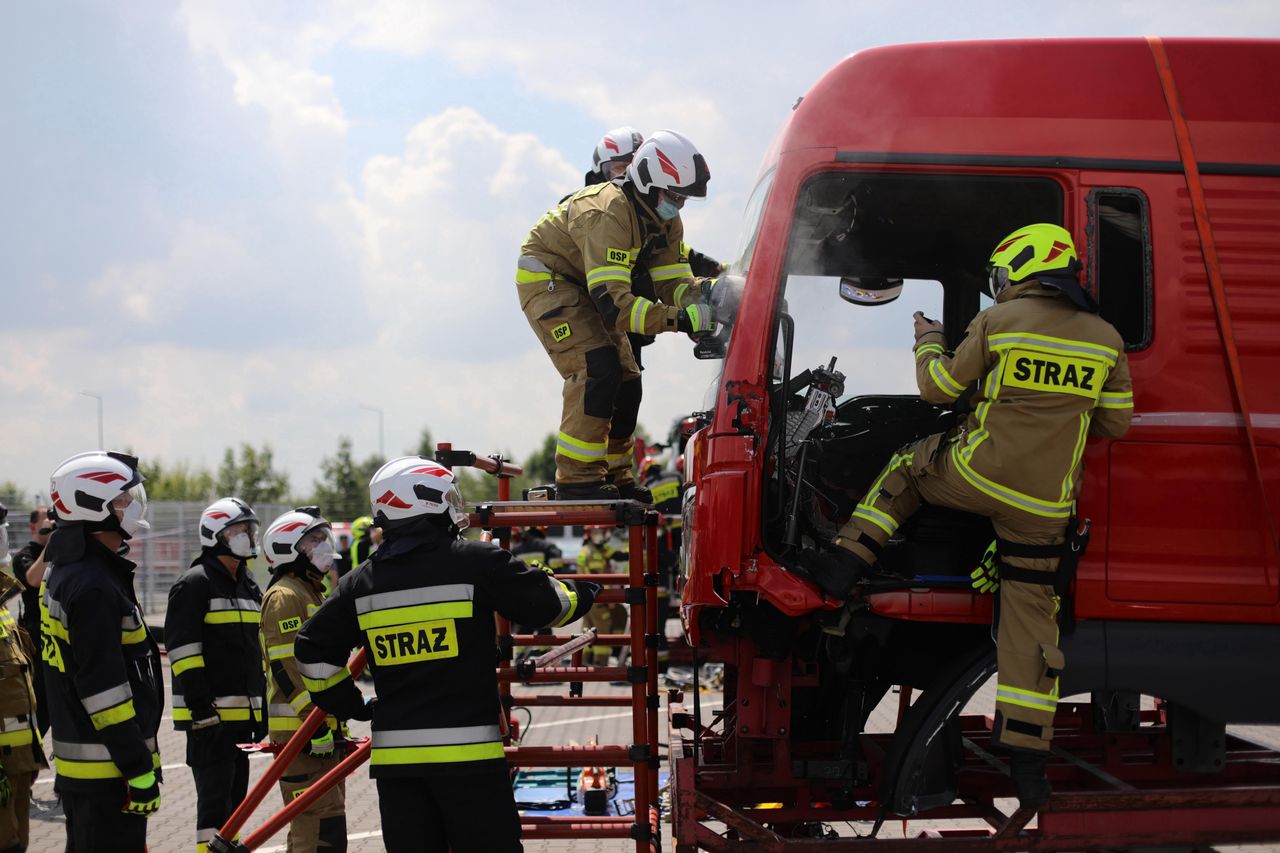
1051 373
20 754
299 547
574 281
597 558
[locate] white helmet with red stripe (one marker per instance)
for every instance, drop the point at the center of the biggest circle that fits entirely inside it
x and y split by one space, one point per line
220 515
287 539
412 487
669 161
615 147
83 487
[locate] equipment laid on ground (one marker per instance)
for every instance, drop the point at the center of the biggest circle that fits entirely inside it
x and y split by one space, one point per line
893 179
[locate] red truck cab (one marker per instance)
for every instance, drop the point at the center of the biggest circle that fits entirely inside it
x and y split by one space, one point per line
909 163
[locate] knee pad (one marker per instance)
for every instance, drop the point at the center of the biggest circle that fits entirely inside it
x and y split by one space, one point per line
626 409
604 376
333 834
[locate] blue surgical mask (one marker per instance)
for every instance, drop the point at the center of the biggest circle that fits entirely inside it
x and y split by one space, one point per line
667 209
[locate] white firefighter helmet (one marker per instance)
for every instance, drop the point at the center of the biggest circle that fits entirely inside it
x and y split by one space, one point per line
83 487
412 487
223 513
617 145
283 541
669 161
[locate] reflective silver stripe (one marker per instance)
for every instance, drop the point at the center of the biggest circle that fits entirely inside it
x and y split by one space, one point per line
189 650
233 604
238 702
318 671
531 264
411 597
178 701
88 751
13 724
107 698
204 836
1003 340
565 604
435 737
132 622
1262 420
277 710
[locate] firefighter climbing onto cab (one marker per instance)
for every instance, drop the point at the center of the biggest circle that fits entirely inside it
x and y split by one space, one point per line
574 280
299 548
423 609
1050 373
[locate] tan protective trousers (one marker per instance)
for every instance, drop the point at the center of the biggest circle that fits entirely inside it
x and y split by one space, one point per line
15 816
1027 651
601 396
606 619
302 773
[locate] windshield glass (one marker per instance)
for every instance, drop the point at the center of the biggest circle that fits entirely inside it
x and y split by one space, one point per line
751 225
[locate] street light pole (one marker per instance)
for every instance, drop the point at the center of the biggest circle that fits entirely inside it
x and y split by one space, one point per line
382 447
101 445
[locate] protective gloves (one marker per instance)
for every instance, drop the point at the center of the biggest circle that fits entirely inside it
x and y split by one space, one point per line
144 795
204 718
366 710
696 320
835 571
321 745
986 577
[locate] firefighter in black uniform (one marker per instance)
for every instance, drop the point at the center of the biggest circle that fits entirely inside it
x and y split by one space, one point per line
423 609
28 568
101 666
211 630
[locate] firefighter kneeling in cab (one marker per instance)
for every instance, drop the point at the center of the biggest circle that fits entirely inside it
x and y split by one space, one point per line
1050 372
423 609
299 549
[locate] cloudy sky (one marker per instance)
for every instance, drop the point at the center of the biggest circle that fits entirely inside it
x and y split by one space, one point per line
241 221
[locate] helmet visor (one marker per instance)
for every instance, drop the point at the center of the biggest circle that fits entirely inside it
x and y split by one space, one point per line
457 510
139 495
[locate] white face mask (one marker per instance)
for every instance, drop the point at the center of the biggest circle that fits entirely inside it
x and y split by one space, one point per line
241 544
321 556
131 520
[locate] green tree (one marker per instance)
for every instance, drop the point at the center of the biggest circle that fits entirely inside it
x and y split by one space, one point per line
249 475
342 492
426 444
180 482
540 467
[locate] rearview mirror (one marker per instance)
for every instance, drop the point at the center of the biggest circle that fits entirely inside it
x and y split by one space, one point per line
870 291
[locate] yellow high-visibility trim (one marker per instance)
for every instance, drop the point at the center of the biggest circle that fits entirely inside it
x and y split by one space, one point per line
1115 401
300 701
228 714
583 451
137 635
1012 497
1003 340
417 613
531 277
927 349
436 754
224 617
1068 482
1027 698
280 652
19 738
670 271
111 716
599 275
316 685
572 594
943 379
876 517
193 662
680 291
639 312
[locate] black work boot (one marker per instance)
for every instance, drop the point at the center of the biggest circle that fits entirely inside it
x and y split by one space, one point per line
1028 771
835 571
633 491
597 491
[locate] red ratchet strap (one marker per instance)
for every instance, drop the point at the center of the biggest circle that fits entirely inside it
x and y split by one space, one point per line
1209 249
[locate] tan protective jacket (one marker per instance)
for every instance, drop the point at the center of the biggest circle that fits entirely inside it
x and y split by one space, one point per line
1051 376
288 602
594 239
18 753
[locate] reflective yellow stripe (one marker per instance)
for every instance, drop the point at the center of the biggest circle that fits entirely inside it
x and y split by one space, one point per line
280 652
222 617
300 701
583 451
531 277
283 724
876 517
1026 698
436 754
926 349
599 275
419 613
138 635
1016 499
1005 340
569 602
111 716
18 738
670 271
193 662
680 291
616 460
228 714
943 379
1115 401
1068 482
316 685
640 306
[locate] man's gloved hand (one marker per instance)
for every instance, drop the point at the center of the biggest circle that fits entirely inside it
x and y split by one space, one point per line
6 790
836 571
144 795
986 577
321 745
366 711
696 320
588 589
923 325
204 718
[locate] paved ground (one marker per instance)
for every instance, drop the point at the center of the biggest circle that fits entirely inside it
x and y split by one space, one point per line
171 830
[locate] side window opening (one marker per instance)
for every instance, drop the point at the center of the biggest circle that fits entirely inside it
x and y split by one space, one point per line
1120 263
